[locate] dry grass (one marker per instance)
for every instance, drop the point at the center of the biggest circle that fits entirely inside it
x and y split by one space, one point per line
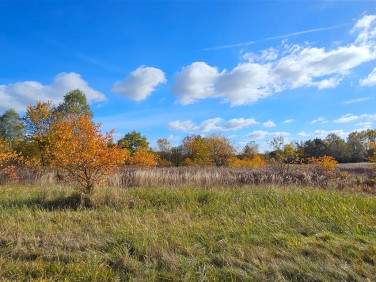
216 234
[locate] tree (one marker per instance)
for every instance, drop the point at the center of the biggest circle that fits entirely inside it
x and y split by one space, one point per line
357 147
143 158
81 153
250 149
220 149
315 148
11 127
9 160
164 152
196 151
133 141
337 148
74 103
38 122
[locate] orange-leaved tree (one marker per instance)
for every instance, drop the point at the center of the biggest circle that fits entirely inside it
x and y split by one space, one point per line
8 160
39 120
82 154
143 158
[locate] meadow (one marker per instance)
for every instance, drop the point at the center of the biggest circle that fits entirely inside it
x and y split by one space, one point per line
154 228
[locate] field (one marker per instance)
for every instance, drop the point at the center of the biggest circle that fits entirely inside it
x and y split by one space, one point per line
48 232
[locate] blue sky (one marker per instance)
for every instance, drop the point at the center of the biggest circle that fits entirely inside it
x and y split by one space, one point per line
247 70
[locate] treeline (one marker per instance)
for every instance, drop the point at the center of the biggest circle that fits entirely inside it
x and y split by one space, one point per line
27 136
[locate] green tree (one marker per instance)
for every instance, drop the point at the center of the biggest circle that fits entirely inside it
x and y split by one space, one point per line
74 103
133 141
357 147
337 148
11 127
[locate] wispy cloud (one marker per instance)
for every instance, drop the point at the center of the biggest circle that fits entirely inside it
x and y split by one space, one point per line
358 100
320 120
287 121
214 124
243 44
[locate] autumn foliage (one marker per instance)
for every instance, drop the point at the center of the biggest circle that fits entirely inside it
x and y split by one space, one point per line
143 158
8 160
82 154
325 163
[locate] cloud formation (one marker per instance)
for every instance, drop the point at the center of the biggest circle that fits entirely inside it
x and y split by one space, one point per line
358 100
261 134
346 118
370 80
20 94
320 120
215 124
269 123
349 118
273 71
140 83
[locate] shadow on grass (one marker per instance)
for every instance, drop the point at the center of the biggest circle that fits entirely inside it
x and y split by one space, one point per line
74 201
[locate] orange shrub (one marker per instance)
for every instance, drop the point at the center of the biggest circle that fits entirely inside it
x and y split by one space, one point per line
143 158
8 160
326 163
82 154
255 161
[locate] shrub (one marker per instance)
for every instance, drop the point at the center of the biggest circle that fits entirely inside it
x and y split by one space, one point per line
82 154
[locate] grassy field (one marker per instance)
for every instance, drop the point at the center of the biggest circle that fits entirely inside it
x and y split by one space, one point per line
264 233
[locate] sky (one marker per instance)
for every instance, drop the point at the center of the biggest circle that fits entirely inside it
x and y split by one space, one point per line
248 70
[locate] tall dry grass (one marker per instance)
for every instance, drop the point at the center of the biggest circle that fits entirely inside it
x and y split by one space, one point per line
205 177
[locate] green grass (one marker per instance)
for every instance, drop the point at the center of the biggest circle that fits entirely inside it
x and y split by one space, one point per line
187 234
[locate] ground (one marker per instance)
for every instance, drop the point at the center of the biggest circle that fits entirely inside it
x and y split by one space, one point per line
262 233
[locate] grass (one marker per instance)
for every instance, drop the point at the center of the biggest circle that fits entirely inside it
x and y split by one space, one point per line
214 234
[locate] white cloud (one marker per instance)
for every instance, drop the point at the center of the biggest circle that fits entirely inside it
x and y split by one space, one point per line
269 123
370 80
140 83
366 124
358 100
238 123
346 118
324 133
287 121
215 124
264 75
320 120
195 81
260 134
349 118
303 134
20 94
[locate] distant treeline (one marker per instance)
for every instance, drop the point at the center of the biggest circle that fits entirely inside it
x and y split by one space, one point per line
194 150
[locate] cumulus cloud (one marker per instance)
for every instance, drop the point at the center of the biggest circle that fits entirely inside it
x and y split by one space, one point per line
320 120
261 76
215 124
261 134
140 83
370 80
269 123
20 94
